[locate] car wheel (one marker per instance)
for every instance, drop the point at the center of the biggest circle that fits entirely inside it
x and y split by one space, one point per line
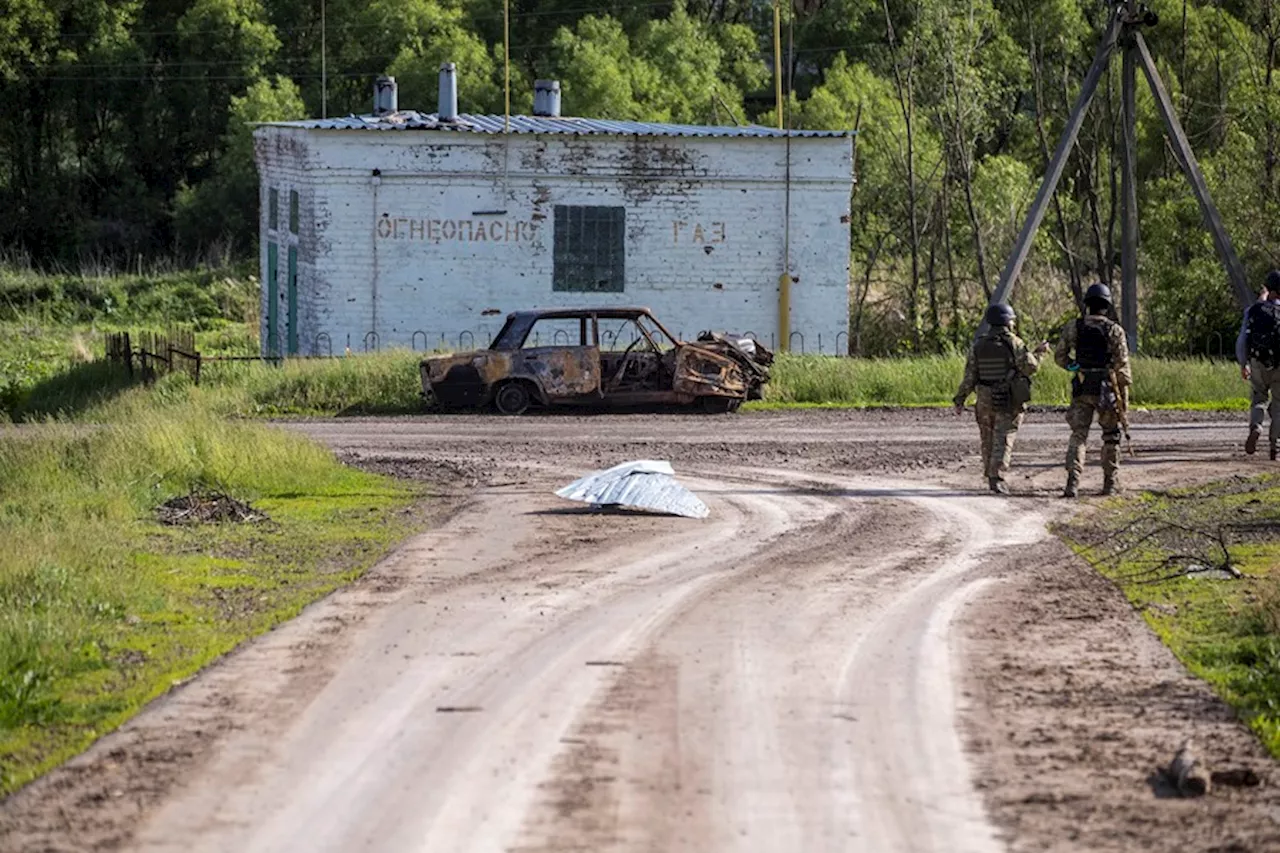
720 405
513 398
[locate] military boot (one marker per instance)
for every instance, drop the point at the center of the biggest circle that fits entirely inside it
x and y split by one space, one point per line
1273 451
1251 443
1111 485
997 485
1073 486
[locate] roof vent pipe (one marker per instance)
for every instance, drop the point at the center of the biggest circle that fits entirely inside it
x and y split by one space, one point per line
546 98
447 109
384 96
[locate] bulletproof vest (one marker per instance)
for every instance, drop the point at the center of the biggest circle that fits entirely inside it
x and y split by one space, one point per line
1093 355
993 355
1092 351
1262 332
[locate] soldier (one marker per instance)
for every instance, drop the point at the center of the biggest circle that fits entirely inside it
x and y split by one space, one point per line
999 367
1258 352
1100 384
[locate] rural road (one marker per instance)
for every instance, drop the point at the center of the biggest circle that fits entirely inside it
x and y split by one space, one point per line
821 665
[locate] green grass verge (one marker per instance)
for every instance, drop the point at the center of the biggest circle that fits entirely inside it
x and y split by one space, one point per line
102 608
1225 631
932 381
388 383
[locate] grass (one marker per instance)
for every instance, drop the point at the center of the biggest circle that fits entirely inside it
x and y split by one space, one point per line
102 608
932 381
388 383
1225 631
52 322
204 297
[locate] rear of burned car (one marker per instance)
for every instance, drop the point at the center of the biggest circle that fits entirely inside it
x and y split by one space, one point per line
751 356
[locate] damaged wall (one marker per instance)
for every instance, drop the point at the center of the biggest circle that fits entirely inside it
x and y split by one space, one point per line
429 238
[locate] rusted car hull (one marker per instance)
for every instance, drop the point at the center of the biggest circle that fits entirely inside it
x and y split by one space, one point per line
719 371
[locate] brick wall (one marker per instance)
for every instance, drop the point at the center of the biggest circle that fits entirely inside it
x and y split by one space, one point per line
456 231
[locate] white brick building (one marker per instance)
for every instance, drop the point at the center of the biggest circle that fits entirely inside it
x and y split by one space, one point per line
400 229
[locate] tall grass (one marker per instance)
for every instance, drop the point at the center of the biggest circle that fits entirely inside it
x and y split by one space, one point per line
101 608
382 383
389 383
202 297
933 380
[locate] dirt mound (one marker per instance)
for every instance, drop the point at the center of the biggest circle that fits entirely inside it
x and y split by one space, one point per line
206 508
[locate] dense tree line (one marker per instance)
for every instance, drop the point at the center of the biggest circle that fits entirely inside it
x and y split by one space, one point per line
125 127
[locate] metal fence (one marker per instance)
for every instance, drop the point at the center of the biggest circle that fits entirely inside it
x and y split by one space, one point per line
421 340
147 355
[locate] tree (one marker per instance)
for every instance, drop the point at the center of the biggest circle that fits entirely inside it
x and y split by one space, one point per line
224 207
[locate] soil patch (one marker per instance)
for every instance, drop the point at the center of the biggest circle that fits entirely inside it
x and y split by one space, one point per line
207 508
1074 709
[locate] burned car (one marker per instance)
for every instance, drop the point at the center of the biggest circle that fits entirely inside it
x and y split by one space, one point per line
598 357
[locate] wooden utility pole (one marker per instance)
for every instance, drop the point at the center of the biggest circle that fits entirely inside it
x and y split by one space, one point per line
1124 28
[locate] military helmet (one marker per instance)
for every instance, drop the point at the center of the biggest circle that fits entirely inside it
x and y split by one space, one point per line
1097 293
1000 315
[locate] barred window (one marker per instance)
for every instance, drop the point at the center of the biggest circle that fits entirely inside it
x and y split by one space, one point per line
590 249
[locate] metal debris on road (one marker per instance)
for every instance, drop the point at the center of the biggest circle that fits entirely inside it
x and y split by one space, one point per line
644 484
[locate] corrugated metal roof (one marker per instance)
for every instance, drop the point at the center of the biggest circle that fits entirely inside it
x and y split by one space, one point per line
413 120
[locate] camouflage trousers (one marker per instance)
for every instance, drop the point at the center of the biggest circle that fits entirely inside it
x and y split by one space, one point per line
1264 383
997 429
1080 419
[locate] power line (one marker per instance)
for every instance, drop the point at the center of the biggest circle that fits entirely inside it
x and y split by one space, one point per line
581 10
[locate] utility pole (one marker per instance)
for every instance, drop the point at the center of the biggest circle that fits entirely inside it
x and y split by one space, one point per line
1124 29
324 67
1129 182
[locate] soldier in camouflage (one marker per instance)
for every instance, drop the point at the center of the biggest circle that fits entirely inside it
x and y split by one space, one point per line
998 364
1095 350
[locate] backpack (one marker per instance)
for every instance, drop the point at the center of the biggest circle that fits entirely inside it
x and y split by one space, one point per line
1262 333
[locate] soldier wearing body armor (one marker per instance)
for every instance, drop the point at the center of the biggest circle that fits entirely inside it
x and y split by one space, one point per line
1258 352
999 369
1095 350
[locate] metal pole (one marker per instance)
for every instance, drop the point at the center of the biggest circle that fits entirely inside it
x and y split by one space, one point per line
777 60
1054 174
784 280
1129 194
506 65
1187 160
324 67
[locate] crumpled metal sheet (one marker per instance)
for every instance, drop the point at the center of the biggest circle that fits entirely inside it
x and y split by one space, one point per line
643 484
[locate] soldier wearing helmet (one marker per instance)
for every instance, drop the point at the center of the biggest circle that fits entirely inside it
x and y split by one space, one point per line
1095 350
999 369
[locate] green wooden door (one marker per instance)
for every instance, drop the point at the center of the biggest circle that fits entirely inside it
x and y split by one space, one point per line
291 322
273 300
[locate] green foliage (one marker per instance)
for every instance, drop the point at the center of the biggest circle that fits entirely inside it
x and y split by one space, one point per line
102 608
224 206
675 69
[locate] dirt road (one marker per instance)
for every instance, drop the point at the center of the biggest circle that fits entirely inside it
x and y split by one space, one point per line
856 651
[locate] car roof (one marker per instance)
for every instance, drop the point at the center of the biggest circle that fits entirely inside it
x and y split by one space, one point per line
612 311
